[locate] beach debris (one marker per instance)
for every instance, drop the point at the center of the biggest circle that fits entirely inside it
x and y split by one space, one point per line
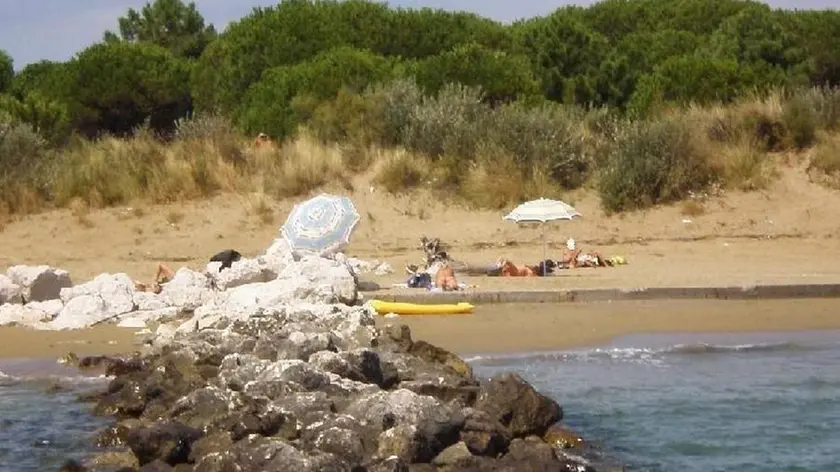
39 283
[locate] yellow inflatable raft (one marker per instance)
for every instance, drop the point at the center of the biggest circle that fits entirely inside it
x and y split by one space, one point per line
383 308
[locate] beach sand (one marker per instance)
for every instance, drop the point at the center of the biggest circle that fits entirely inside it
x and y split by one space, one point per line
18 342
509 328
786 234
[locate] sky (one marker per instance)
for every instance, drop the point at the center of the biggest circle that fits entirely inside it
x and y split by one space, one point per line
31 30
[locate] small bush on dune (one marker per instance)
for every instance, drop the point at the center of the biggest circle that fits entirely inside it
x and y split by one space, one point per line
824 164
26 167
744 165
800 120
401 172
654 162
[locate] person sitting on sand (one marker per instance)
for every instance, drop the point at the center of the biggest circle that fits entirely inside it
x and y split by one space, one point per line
445 278
572 257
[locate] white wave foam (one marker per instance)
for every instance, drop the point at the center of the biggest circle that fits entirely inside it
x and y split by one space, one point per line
641 354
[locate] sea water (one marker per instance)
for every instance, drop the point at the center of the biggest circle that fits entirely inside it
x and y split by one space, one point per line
42 426
699 403
659 403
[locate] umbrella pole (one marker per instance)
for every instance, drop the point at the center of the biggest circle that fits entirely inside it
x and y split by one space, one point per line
544 243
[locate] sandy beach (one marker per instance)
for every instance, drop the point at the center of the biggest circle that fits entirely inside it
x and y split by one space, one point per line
545 327
784 235
507 328
101 340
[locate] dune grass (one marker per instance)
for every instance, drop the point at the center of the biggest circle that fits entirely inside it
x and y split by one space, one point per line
501 157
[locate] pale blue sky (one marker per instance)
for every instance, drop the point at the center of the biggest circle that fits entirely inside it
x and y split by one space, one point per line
31 30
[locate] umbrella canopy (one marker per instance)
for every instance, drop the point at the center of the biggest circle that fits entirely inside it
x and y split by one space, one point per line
321 225
541 211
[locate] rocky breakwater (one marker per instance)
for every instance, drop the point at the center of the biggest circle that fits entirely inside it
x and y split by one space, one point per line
280 367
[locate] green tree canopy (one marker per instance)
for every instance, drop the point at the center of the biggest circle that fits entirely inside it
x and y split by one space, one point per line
502 77
268 105
171 24
120 85
7 71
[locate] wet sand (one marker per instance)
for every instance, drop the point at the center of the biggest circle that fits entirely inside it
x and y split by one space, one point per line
513 328
18 342
508 328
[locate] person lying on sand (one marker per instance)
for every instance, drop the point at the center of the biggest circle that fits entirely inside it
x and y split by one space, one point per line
509 269
164 273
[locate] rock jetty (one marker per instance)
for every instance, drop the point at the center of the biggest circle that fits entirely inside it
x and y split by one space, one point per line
276 365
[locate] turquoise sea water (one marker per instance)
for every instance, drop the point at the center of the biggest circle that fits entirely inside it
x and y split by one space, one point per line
694 403
663 403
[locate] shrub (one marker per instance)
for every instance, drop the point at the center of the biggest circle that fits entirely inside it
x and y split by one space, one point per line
800 121
654 162
546 138
25 166
391 107
824 165
215 129
400 172
451 123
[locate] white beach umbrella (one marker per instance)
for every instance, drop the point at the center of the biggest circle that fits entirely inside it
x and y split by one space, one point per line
542 211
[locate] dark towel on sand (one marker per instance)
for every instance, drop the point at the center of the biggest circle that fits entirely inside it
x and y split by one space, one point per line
227 258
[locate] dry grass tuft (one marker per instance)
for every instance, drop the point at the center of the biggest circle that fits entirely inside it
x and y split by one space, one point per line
692 208
401 172
824 164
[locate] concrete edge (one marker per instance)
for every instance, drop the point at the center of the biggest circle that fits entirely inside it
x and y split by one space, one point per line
753 292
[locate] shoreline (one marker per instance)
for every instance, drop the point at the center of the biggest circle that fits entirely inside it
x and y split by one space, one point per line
612 294
507 328
516 328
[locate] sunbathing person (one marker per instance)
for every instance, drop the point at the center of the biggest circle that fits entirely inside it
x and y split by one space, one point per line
572 257
164 273
445 278
509 269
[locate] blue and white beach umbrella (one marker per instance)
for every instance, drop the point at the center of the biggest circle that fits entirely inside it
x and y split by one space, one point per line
321 225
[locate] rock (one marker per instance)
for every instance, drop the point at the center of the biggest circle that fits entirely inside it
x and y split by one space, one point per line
483 435
276 258
168 442
563 438
23 315
140 318
149 301
156 466
362 365
242 272
320 280
452 455
116 290
518 406
533 455
441 356
103 298
39 283
10 292
416 428
187 290
257 453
